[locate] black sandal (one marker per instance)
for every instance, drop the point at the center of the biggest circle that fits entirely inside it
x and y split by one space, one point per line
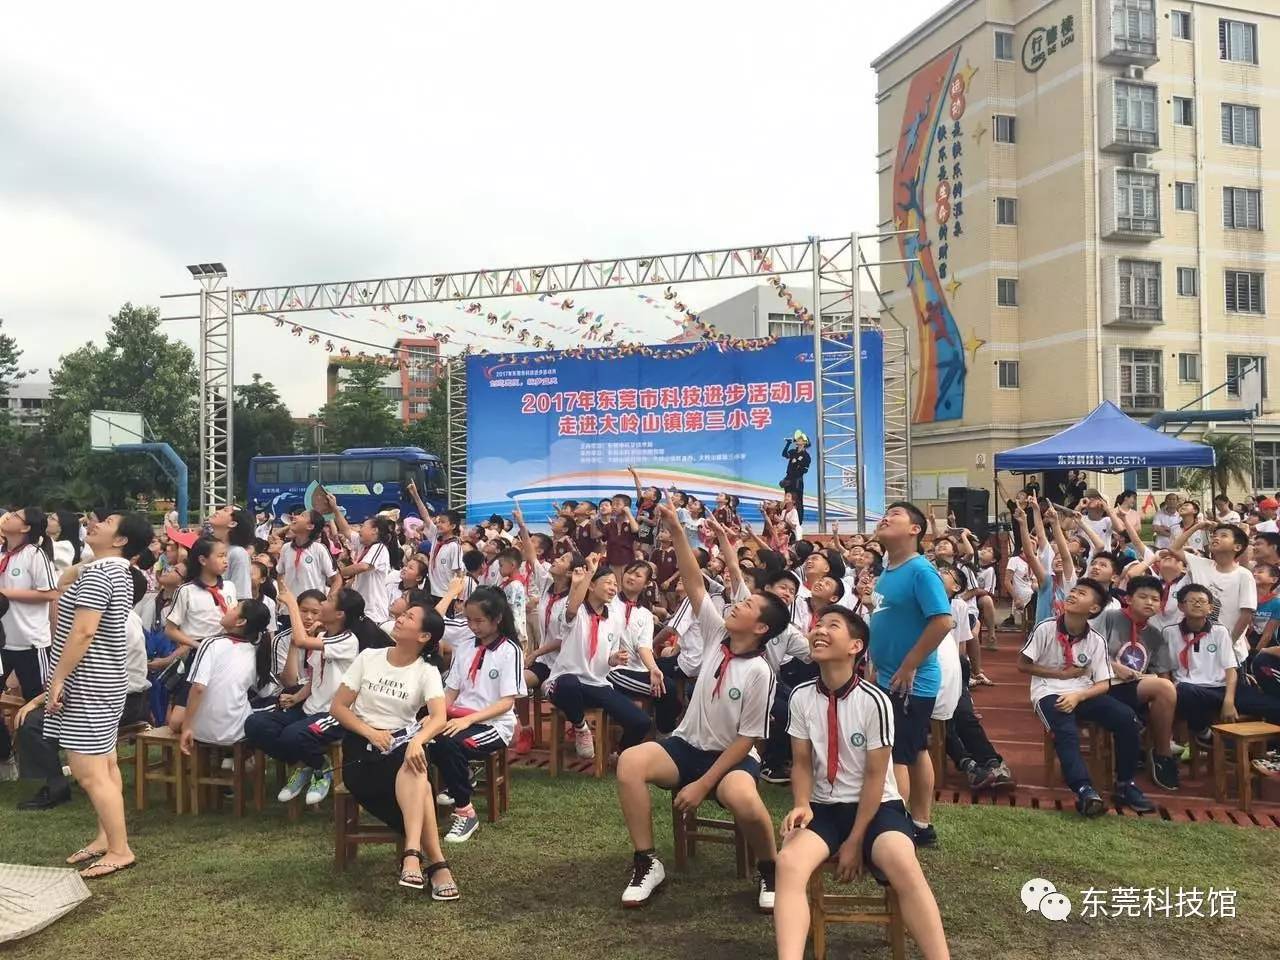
411 879
446 891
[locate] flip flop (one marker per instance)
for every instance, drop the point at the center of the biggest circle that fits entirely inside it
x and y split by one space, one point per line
107 869
84 855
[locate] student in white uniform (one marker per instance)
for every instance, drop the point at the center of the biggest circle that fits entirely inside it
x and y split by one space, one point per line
374 555
443 550
846 799
712 752
637 672
224 672
284 685
953 678
1230 583
381 704
300 733
198 609
28 582
305 562
515 589
485 678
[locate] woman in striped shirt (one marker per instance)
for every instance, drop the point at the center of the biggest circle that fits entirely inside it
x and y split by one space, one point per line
87 687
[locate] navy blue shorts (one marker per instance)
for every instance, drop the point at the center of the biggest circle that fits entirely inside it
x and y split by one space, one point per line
912 717
1127 693
693 763
833 822
540 670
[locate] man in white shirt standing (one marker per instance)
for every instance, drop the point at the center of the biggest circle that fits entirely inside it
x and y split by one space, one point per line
1235 594
1167 524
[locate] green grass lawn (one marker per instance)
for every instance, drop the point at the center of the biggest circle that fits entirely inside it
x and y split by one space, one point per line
545 882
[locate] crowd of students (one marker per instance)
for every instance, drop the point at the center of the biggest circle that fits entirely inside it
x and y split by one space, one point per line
416 641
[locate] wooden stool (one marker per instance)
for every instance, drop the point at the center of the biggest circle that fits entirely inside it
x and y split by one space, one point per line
1097 749
208 777
1242 736
938 750
169 769
333 754
825 908
128 737
536 717
688 829
496 784
10 704
349 833
598 722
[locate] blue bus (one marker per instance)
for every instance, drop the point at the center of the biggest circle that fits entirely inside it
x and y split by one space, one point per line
365 480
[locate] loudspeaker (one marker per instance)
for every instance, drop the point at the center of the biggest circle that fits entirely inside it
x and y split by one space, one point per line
969 506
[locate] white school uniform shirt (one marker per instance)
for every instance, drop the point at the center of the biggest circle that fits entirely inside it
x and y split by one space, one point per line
575 651
326 667
64 556
444 562
637 631
196 613
1169 612
1207 661
310 568
281 648
1022 583
686 628
944 705
224 666
1090 651
135 654
1101 527
1267 526
389 697
714 720
1232 592
26 625
372 583
864 719
790 644
500 674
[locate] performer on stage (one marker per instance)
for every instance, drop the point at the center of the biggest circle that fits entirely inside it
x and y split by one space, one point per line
796 452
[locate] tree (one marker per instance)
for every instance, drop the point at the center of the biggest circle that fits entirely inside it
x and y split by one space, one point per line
431 433
138 369
1233 463
11 435
262 423
361 415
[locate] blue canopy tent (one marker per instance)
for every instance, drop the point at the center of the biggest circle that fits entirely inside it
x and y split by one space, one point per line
1106 441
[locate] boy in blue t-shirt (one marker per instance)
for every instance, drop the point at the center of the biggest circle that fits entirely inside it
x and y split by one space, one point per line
912 616
1263 638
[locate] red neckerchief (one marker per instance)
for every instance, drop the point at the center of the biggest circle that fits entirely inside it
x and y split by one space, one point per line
9 555
1184 655
1134 627
478 659
593 642
1068 642
629 605
833 724
365 552
440 544
1165 587
298 552
552 599
215 591
723 669
1264 598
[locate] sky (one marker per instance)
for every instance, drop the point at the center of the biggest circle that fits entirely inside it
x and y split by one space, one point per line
388 139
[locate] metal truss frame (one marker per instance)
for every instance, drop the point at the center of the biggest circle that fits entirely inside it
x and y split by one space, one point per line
833 265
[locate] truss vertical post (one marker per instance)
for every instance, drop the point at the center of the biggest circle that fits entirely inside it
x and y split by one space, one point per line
897 412
456 417
217 347
835 393
820 441
855 281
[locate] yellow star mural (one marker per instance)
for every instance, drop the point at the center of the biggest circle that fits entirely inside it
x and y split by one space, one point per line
952 286
966 74
978 133
972 344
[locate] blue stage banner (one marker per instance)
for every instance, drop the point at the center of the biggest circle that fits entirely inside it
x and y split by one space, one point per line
550 427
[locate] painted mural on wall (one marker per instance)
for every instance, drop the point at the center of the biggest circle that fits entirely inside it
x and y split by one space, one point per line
929 202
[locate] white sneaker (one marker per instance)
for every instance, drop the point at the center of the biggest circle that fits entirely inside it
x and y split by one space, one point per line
584 745
444 800
228 763
296 784
462 829
8 770
765 900
647 876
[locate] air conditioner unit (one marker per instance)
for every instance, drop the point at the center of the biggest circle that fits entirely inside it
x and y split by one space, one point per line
1134 73
1141 161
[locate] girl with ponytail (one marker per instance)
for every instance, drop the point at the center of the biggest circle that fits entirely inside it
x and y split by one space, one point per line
224 671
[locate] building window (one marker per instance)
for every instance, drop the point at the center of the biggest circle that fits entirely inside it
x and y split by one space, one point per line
1184 195
1139 297
1237 41
1004 128
1239 125
1184 111
1189 368
1266 457
1133 25
786 325
1137 201
1006 211
1007 292
1004 45
1241 208
1239 364
1188 282
1140 379
1244 292
1181 20
1007 374
1157 479
1136 113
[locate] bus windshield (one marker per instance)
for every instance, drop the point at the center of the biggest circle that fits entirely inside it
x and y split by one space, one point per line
364 482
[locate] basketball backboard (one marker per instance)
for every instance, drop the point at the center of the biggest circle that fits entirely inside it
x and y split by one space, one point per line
110 428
